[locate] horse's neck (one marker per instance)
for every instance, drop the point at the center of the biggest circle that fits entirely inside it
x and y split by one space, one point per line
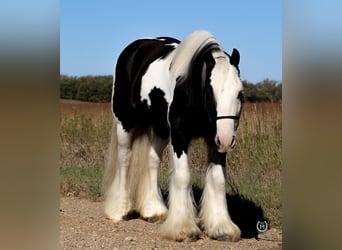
187 50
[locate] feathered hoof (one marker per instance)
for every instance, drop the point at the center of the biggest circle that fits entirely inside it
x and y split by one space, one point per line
154 212
180 232
114 218
155 218
225 233
118 215
115 214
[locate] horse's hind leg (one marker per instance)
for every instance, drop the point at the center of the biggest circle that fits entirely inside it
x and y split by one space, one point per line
150 201
118 201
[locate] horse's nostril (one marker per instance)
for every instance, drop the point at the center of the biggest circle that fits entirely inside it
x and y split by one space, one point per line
218 143
233 141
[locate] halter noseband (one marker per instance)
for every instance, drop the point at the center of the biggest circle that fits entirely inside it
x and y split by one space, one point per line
236 119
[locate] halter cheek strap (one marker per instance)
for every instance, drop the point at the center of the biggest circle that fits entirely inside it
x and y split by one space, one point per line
234 117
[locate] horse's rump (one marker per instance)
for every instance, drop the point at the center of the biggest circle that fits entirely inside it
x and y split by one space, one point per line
132 64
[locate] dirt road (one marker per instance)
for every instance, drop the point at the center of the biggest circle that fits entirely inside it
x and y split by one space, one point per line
83 226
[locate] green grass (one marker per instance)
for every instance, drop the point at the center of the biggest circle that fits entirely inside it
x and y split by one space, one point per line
81 181
254 167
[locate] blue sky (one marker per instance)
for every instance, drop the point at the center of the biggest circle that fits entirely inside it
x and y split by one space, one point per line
93 33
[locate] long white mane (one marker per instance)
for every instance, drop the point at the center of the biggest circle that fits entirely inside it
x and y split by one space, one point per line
188 49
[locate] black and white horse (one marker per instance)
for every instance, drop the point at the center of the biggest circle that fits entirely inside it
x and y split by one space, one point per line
165 89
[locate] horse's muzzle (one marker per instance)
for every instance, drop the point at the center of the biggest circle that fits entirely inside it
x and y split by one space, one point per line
225 147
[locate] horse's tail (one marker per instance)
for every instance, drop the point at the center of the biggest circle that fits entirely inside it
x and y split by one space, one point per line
110 167
138 172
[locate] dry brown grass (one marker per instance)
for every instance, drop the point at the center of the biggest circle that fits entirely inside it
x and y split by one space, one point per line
85 132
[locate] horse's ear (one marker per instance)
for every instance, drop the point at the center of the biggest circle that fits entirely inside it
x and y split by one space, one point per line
235 58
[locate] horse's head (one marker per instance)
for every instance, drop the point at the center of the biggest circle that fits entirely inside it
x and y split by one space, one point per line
227 89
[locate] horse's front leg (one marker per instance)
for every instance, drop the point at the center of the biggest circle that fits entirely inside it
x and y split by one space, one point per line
214 211
180 223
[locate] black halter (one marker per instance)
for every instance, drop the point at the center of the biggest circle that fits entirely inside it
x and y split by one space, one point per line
234 117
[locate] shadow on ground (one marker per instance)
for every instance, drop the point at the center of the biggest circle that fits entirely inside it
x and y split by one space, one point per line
245 213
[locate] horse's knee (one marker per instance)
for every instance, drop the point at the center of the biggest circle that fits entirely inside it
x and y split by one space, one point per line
216 178
181 174
181 179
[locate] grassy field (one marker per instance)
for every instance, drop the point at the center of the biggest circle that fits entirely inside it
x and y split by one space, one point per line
253 168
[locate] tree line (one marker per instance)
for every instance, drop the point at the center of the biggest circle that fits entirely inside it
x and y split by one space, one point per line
99 89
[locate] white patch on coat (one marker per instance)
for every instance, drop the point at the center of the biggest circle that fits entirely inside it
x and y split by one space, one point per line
158 75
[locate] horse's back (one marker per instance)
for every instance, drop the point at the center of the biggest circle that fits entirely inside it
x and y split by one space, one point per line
138 96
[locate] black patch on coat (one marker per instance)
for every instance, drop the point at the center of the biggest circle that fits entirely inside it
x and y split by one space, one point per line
158 113
132 64
168 40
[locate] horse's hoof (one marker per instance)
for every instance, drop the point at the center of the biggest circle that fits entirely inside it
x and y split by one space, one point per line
194 237
156 219
187 237
114 219
223 238
225 232
180 232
